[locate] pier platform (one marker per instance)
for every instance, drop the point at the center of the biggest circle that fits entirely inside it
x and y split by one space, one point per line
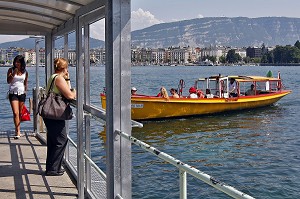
22 166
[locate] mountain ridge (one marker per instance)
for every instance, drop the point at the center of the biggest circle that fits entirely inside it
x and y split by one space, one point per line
203 32
29 43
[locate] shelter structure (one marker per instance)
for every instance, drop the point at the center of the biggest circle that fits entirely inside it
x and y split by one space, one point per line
49 20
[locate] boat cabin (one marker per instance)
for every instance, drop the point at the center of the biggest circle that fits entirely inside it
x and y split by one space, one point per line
218 86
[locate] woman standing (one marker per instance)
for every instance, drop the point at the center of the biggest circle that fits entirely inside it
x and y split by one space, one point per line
17 77
56 132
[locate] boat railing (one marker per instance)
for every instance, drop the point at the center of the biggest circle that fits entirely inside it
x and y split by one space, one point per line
185 169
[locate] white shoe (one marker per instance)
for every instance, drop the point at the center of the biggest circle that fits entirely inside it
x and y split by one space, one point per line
17 137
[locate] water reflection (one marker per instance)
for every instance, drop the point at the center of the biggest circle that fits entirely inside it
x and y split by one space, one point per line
220 125
232 131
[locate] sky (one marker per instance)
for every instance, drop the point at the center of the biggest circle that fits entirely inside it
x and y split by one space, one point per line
145 13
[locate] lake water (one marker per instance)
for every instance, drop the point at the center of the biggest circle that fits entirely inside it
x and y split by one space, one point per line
255 151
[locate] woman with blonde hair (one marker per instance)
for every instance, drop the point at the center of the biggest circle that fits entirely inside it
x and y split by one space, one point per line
163 93
56 133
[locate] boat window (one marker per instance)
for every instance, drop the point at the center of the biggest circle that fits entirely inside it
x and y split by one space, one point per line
246 86
223 87
267 86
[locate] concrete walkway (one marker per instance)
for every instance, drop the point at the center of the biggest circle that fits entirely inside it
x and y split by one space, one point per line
22 166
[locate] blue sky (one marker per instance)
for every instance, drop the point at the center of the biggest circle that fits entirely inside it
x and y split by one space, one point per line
149 12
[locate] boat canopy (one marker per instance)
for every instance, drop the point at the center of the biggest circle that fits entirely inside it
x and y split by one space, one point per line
253 78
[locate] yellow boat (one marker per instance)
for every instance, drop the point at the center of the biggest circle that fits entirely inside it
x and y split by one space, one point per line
266 91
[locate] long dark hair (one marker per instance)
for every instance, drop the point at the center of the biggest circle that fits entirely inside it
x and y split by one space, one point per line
21 59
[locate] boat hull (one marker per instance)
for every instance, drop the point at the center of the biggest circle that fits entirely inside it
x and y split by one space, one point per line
145 108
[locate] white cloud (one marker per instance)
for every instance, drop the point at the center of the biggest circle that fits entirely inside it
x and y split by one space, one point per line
97 30
200 16
182 19
141 19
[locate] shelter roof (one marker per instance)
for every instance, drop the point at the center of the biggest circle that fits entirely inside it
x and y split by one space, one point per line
37 17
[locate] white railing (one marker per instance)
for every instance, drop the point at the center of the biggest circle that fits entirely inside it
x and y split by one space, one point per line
87 158
184 169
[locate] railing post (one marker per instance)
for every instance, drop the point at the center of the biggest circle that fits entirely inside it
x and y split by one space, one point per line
183 185
87 101
66 49
79 105
37 87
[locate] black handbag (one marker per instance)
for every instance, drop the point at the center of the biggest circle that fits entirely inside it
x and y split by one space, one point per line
54 106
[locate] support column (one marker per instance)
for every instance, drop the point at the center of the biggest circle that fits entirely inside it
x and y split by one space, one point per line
87 101
79 115
118 110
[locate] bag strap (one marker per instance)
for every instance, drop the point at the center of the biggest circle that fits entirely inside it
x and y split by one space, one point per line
51 85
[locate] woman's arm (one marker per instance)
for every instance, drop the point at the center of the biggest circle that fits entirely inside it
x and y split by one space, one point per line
10 75
64 88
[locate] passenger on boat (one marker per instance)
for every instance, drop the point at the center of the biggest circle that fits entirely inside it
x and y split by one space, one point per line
173 92
193 92
208 94
232 88
200 93
250 91
163 93
133 91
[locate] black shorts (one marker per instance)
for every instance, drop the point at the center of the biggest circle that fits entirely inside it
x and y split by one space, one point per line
15 97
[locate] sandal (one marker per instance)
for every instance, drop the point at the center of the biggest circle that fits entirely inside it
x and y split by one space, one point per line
17 137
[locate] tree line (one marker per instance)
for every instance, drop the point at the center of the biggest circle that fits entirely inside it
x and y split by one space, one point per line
279 55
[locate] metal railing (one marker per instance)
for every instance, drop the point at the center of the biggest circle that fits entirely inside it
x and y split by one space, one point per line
95 177
87 158
184 169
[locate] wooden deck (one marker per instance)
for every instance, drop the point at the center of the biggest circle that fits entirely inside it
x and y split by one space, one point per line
22 166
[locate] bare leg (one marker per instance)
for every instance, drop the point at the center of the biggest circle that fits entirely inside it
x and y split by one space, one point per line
21 104
16 108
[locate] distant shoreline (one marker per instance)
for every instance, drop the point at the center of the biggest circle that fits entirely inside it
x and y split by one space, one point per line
282 64
6 66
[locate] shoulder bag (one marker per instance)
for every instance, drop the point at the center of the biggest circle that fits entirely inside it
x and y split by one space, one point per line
54 106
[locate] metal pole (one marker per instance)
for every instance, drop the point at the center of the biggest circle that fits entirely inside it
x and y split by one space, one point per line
87 102
37 88
66 49
183 185
79 105
118 111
